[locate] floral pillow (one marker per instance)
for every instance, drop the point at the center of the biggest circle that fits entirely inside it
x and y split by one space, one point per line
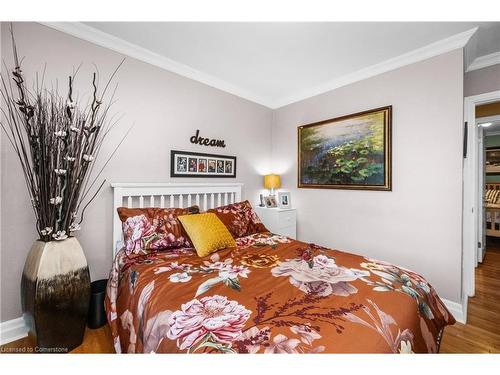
151 229
240 219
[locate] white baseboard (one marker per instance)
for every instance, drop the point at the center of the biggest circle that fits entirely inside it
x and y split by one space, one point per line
458 310
12 330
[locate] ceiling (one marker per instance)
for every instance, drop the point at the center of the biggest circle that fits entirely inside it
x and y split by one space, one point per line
493 129
278 63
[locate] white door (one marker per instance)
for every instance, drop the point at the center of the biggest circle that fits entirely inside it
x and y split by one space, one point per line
480 204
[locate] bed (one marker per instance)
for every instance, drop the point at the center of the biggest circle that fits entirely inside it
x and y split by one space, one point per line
492 201
268 294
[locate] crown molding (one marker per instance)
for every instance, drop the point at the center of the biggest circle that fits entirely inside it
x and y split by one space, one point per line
434 49
100 38
484 61
119 45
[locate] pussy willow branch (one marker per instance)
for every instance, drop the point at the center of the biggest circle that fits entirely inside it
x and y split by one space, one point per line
57 142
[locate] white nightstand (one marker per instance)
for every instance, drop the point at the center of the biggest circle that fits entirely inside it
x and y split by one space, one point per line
279 220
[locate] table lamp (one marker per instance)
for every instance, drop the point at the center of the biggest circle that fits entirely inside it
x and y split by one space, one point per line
271 182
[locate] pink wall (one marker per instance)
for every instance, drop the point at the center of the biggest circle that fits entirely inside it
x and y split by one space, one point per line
418 224
166 110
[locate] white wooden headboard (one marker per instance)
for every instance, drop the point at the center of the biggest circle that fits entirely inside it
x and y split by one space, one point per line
166 195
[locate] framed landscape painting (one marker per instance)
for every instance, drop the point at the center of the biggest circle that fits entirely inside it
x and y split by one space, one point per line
348 152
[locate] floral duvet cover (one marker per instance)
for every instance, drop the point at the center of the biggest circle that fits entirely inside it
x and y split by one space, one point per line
270 294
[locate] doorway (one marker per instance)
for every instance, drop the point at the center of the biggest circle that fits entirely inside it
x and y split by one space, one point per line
479 125
488 122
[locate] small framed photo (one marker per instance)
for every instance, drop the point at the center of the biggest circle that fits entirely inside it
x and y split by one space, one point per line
196 164
220 166
182 164
211 166
270 201
202 165
193 165
284 200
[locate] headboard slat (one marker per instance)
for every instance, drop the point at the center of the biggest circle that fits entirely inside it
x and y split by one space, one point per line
176 194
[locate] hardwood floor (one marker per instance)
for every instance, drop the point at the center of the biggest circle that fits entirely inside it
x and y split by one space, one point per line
95 341
482 332
480 335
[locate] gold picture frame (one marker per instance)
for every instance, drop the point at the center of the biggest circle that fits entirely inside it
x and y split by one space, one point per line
347 152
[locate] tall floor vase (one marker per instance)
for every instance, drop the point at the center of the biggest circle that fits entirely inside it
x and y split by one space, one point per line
55 293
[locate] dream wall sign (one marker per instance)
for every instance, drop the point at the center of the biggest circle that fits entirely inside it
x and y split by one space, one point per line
197 140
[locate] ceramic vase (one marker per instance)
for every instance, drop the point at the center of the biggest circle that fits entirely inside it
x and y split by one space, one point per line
55 293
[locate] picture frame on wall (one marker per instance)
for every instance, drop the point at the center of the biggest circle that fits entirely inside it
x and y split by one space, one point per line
196 164
193 165
202 165
284 199
212 166
348 152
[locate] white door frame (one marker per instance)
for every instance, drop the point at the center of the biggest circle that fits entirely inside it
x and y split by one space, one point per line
472 196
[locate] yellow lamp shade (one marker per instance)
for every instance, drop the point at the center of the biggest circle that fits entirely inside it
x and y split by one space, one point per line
272 181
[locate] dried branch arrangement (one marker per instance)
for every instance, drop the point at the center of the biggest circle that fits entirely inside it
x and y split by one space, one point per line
57 142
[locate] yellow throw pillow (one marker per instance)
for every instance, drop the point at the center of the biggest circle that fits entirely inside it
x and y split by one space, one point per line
207 233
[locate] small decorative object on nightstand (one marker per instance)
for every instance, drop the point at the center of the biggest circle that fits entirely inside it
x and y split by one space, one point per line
281 221
270 201
284 200
262 204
